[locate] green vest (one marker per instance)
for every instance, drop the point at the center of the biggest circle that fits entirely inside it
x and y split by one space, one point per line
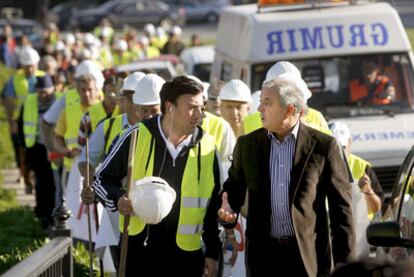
196 189
73 115
252 122
115 130
30 120
21 87
357 166
213 125
97 113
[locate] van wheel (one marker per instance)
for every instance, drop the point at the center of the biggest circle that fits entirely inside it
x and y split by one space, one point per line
212 18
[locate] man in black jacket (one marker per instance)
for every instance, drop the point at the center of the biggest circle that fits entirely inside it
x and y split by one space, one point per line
289 171
171 247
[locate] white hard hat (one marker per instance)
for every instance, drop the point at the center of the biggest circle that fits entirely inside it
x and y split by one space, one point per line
236 90
160 32
293 77
106 31
28 56
85 54
150 29
121 45
144 41
203 84
147 90
254 105
341 132
280 68
131 81
176 30
60 46
152 199
205 90
89 39
69 38
90 67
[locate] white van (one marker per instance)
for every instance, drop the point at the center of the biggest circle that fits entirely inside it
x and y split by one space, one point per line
197 61
327 42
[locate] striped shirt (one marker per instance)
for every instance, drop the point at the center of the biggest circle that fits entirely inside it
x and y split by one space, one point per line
281 158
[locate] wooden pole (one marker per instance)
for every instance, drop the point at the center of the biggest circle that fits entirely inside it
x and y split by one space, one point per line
124 242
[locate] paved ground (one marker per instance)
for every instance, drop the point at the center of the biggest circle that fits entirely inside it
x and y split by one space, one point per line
10 176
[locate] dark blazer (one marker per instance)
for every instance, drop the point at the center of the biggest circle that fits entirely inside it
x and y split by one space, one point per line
318 173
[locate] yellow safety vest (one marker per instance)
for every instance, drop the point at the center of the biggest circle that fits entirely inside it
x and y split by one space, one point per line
115 130
30 120
125 58
313 119
152 52
97 113
213 125
357 166
73 115
21 87
196 189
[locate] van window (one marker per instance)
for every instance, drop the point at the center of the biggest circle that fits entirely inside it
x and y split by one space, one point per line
340 87
202 71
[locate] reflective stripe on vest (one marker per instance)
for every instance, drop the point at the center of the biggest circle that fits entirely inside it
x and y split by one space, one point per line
213 125
196 189
96 113
21 87
30 120
115 130
73 115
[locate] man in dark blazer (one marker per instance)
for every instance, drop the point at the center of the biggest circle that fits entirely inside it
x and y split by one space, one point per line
289 170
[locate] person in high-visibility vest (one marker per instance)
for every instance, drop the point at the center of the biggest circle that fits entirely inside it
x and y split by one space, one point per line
235 97
20 85
361 170
67 126
174 147
32 138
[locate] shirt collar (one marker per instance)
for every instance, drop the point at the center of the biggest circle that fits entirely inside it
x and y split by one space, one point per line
294 132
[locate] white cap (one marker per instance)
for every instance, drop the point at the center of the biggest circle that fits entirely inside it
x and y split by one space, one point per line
282 67
28 56
130 82
60 45
152 199
147 90
69 38
144 41
121 45
89 39
298 81
150 29
176 30
90 67
341 132
254 105
106 31
236 90
160 32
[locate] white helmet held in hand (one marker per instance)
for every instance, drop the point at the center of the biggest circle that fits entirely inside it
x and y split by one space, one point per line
152 199
235 90
28 56
280 68
147 90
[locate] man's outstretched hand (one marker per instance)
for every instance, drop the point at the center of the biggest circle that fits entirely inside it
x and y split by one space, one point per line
226 213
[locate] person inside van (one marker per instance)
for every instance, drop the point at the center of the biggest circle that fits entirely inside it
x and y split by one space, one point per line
372 86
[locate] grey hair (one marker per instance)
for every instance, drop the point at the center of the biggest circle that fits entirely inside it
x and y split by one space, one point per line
289 93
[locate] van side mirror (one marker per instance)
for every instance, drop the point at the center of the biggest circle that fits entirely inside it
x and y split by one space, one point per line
387 234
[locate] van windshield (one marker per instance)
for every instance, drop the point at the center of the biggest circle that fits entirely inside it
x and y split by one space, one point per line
349 86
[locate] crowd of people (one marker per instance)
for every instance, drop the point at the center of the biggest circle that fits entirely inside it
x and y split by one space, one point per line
273 164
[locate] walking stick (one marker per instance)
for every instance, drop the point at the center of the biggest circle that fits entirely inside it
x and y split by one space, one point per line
95 212
124 242
88 212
